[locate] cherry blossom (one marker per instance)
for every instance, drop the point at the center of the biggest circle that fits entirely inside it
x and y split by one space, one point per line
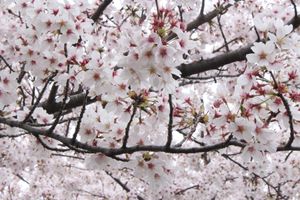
149 99
263 53
242 129
281 38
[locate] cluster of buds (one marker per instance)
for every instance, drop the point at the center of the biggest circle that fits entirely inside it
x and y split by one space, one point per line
165 21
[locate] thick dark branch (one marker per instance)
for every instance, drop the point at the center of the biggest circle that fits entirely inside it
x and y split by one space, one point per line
86 148
215 62
201 19
186 70
52 94
223 59
74 101
295 21
56 121
100 10
113 152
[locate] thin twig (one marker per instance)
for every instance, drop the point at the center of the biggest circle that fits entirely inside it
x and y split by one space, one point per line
191 132
180 192
123 185
180 12
6 63
67 156
11 136
288 111
256 32
38 99
256 175
92 194
79 120
222 33
48 147
224 45
157 9
127 129
170 124
50 124
202 8
56 121
295 8
287 157
23 179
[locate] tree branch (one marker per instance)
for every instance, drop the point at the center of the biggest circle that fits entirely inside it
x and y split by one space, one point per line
215 62
223 59
201 19
123 185
128 150
38 99
56 121
6 63
127 129
100 10
186 70
288 111
202 8
182 191
276 189
295 7
79 120
170 124
222 33
74 101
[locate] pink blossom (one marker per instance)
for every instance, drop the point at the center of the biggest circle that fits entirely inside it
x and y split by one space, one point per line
263 53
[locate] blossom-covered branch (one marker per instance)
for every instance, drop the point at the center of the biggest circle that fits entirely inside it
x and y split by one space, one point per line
132 149
218 61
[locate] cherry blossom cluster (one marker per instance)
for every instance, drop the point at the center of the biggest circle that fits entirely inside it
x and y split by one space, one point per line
149 99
